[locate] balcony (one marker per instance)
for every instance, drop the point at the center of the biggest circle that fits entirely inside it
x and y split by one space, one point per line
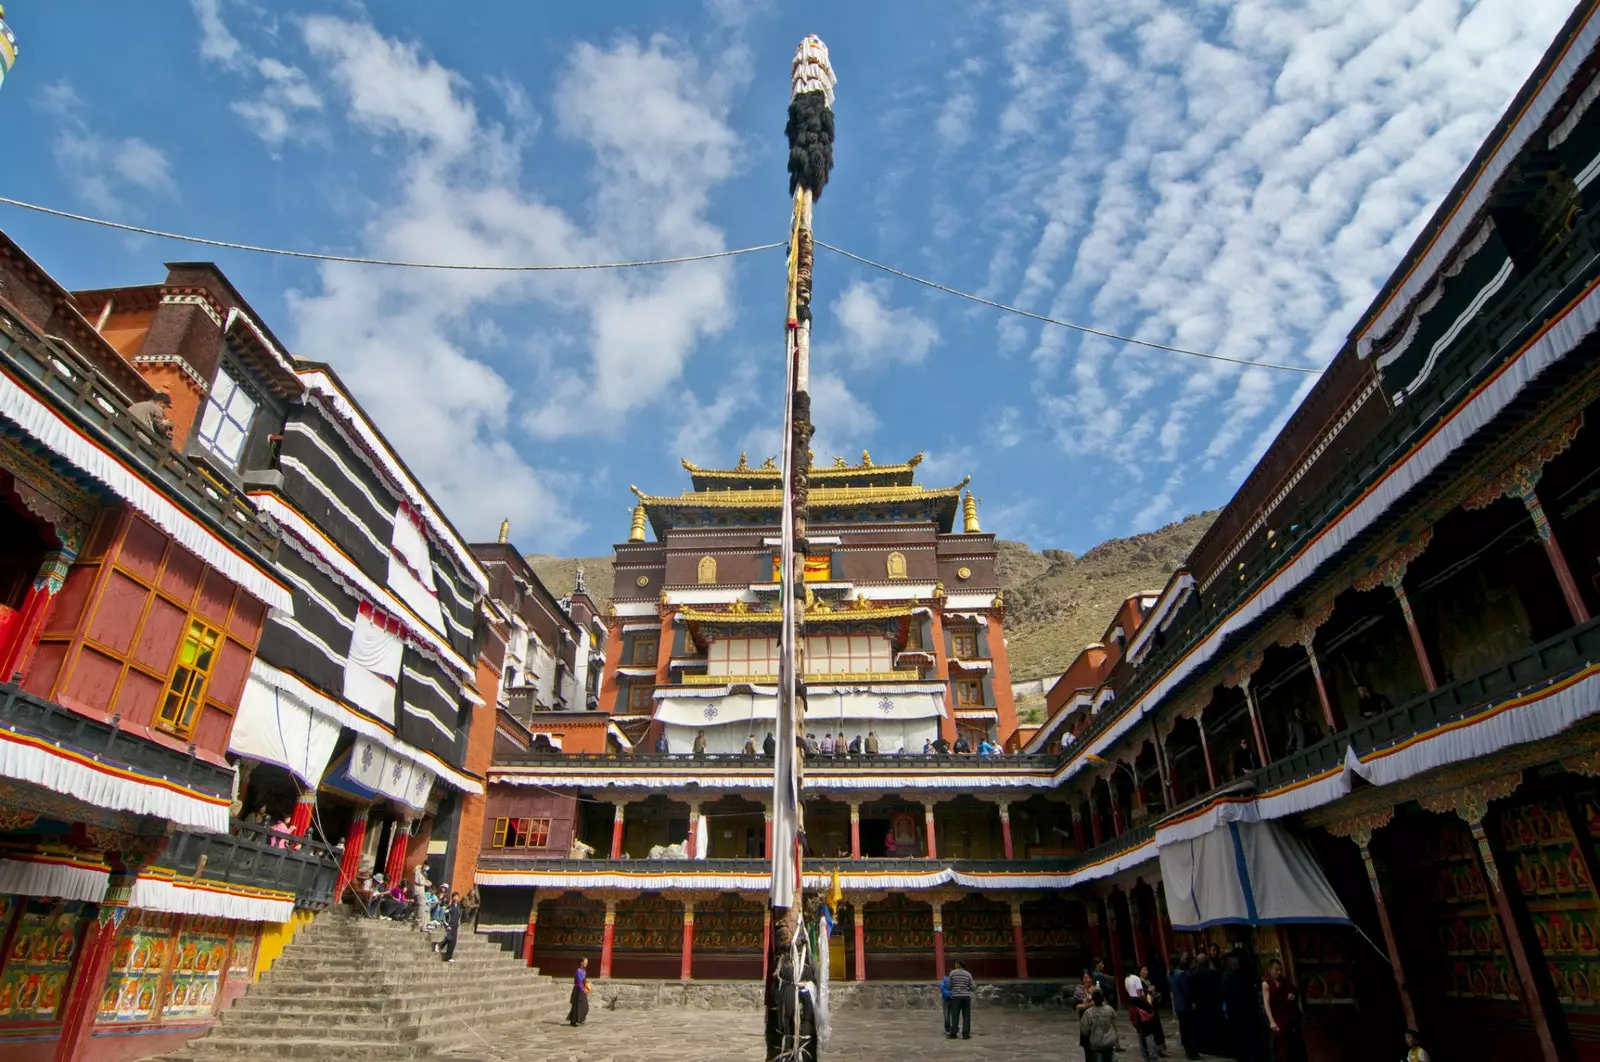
1480 349
812 865
739 762
23 713
1530 670
821 679
246 856
84 396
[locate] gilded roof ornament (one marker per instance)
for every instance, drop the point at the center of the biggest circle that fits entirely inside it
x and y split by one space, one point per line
839 462
917 460
770 465
688 465
866 459
744 463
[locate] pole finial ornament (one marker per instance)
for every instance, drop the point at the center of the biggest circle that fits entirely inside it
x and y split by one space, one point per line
505 531
636 532
969 513
810 127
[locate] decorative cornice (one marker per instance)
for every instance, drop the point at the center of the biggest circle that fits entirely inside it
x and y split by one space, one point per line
1471 801
193 297
183 366
1360 828
1519 478
1391 570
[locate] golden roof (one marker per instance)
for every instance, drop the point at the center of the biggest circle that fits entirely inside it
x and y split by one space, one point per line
772 497
769 468
818 609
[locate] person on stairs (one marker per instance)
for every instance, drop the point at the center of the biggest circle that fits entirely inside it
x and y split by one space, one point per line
452 927
579 1013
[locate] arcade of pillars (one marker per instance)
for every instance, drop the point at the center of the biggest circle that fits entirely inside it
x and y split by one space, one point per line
949 826
1480 575
879 934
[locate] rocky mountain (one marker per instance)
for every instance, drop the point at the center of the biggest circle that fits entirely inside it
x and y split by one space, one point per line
1056 603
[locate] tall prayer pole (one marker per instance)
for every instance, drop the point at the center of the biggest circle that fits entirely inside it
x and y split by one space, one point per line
791 1009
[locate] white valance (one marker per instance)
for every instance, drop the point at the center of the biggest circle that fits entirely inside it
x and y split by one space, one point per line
408 588
55 878
32 760
373 667
88 456
275 725
390 772
210 898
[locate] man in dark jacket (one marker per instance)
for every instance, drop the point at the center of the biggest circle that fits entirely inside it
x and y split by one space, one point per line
452 927
1206 996
960 1001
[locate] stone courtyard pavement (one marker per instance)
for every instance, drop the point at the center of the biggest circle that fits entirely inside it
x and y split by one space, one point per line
679 1035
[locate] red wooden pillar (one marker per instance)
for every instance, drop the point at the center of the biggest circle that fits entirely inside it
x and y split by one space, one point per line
1117 825
1205 753
1322 695
1005 829
938 939
395 869
616 830
766 931
24 630
855 829
1136 923
300 821
860 940
933 846
766 849
1097 944
1116 943
1397 584
94 962
687 966
350 864
1363 839
1016 940
528 934
1096 830
1255 724
609 937
1558 559
694 831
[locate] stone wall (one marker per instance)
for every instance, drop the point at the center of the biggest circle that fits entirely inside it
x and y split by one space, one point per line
849 995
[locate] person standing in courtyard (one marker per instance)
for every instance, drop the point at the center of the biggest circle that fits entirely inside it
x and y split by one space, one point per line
1281 1003
944 996
1082 1000
1183 1007
1142 1016
960 1001
1099 1030
579 1012
452 927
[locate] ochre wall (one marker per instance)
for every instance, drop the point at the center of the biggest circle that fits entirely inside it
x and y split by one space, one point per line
110 643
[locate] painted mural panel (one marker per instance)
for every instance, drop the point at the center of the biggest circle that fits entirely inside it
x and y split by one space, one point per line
133 987
1445 864
1543 848
199 956
38 964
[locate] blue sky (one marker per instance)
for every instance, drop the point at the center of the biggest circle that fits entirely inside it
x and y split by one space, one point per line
1236 177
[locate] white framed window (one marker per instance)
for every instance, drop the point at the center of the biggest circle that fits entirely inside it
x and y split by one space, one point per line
226 422
743 656
846 654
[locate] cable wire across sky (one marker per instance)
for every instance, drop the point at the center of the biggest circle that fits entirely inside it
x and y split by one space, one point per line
642 263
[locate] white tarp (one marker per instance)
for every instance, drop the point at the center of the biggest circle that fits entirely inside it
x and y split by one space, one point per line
391 773
373 668
1246 873
275 726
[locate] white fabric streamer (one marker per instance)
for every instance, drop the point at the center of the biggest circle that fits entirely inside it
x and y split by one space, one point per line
52 880
209 898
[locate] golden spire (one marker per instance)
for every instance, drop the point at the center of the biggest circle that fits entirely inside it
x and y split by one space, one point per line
969 513
505 531
636 532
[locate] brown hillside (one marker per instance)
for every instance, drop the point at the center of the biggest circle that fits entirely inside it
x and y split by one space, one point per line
1056 603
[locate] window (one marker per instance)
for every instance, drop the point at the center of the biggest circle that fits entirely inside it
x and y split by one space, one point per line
226 422
846 654
521 833
966 644
914 634
743 656
969 692
645 647
818 569
187 686
640 696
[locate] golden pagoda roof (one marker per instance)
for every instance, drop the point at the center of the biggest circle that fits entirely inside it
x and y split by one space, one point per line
720 508
864 473
818 610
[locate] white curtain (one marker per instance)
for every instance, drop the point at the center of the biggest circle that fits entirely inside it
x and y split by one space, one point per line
373 667
392 773
1246 873
274 726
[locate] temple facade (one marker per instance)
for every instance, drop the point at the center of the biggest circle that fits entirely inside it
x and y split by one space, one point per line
645 848
241 651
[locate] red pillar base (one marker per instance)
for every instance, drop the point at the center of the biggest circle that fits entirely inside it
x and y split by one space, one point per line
1022 955
300 821
351 862
606 944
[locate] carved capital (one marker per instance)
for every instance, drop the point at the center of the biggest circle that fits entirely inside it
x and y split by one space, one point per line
1360 828
1241 673
1519 478
1587 764
1471 802
1303 630
1390 571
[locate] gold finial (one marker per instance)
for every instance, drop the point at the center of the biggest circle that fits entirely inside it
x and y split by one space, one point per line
769 465
744 463
811 458
839 462
917 460
688 465
636 532
505 531
969 512
636 491
866 459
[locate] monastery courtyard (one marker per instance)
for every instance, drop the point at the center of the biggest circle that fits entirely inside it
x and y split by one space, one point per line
679 1035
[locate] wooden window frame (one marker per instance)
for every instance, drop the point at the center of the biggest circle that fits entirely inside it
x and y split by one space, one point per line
189 679
640 641
521 833
962 685
501 827
637 692
967 638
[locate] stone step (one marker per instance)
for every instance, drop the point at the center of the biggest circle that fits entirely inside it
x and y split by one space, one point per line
444 975
376 1001
318 1049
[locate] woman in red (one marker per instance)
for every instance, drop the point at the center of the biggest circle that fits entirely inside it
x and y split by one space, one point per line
1282 1005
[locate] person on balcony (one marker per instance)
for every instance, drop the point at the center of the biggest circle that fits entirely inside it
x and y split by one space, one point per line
1371 705
1242 760
152 415
827 744
855 745
962 745
700 745
769 746
872 743
750 745
1302 731
662 748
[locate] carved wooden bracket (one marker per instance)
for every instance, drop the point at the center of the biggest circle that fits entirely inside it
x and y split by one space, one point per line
1588 764
1304 631
1360 828
1392 569
1471 802
1521 476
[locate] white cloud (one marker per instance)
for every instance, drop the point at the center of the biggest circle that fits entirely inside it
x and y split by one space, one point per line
875 332
217 42
1007 429
414 346
1239 183
844 422
954 123
102 169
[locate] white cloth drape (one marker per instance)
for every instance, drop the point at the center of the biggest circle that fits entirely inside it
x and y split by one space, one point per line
276 726
1246 873
209 898
52 879
392 773
373 668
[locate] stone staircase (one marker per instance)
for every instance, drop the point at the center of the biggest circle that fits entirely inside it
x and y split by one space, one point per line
352 990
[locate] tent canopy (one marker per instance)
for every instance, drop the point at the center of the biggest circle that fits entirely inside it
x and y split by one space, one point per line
1246 873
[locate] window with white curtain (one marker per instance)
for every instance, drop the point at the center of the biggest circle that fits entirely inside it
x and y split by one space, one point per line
225 424
742 656
847 654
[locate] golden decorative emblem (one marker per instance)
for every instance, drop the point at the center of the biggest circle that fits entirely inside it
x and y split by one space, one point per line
643 580
963 573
